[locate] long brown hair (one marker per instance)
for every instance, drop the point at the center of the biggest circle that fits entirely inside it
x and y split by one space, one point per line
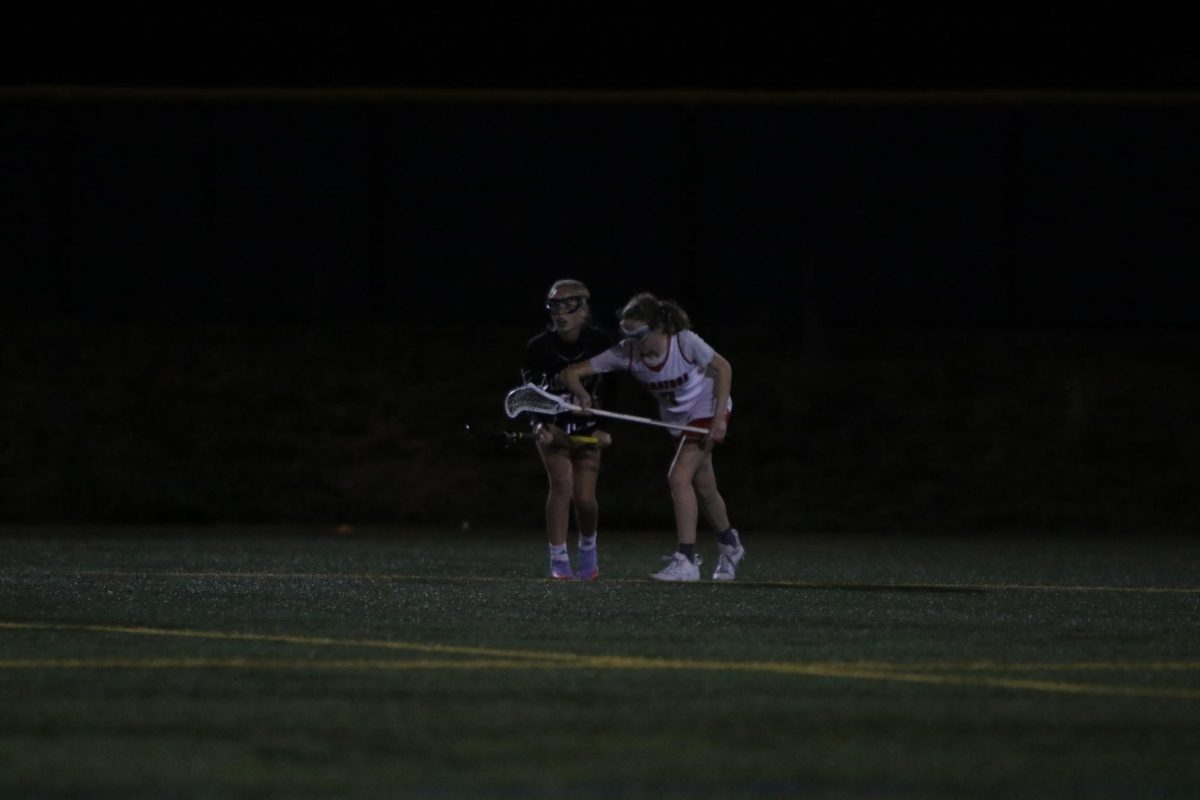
662 315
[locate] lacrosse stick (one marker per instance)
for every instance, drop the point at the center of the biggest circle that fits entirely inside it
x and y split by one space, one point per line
509 438
530 398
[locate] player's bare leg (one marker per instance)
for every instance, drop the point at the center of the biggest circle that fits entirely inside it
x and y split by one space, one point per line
712 504
688 459
560 475
683 565
586 461
586 465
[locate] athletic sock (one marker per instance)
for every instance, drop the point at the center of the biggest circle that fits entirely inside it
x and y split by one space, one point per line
558 552
688 550
587 542
729 537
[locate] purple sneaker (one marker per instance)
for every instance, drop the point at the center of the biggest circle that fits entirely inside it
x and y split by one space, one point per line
589 566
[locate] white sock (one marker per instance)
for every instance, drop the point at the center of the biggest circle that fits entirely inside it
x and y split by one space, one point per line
558 552
587 542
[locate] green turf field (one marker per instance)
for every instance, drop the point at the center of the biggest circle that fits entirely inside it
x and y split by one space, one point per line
288 662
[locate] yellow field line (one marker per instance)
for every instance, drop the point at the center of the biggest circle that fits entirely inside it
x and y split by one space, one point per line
1056 687
1031 587
815 585
897 672
519 659
832 670
1043 666
383 644
269 664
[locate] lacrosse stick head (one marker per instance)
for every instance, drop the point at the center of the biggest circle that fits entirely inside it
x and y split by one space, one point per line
531 399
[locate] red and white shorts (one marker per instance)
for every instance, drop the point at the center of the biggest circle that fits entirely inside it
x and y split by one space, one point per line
705 423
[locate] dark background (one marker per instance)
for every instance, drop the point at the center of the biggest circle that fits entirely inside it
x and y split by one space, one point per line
268 269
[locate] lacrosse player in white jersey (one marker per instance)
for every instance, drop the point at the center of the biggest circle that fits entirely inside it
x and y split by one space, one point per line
691 382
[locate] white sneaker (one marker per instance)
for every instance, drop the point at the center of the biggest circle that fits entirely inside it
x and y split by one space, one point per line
678 568
727 563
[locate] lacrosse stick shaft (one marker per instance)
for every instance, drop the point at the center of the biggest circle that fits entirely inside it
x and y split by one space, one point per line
600 412
530 398
514 436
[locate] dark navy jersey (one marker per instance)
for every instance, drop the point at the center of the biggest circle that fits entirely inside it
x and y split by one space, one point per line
546 355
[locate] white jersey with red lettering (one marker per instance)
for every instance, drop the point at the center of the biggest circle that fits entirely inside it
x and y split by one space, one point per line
679 382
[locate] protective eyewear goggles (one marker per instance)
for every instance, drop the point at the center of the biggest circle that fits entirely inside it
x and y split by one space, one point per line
565 305
635 334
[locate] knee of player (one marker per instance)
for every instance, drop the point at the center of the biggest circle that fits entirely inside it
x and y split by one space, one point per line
704 484
678 483
562 485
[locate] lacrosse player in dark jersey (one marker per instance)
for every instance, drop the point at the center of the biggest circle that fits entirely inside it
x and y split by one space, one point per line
572 466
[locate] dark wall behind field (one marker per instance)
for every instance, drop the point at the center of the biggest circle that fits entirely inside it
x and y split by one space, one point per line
969 315
978 211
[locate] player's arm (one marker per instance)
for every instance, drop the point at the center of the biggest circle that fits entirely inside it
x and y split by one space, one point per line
722 374
572 378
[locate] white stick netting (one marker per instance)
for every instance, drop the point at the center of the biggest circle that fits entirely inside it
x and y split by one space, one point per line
527 399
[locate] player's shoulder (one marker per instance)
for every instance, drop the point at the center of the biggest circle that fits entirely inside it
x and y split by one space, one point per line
692 347
690 338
